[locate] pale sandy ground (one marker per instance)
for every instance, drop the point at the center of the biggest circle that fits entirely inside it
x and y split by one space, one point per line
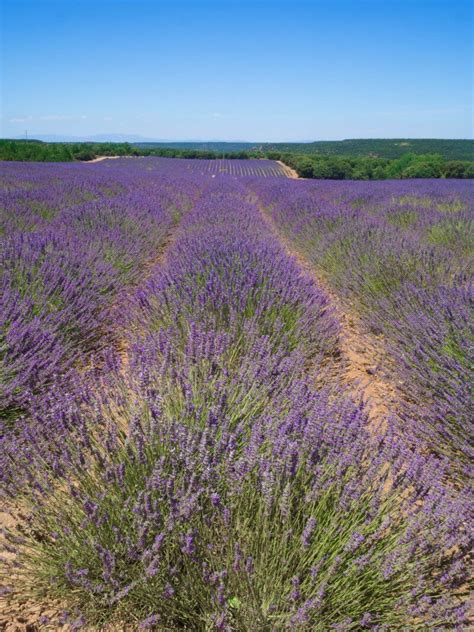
362 354
99 158
289 172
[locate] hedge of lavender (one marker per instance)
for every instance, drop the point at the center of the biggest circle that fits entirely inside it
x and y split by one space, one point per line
73 238
207 483
402 254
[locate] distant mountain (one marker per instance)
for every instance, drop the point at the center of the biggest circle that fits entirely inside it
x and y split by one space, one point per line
94 138
121 138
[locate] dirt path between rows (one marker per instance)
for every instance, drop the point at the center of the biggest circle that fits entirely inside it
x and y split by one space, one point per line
124 341
359 367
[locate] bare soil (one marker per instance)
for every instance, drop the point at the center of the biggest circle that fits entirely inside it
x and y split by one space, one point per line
99 158
123 342
359 366
289 172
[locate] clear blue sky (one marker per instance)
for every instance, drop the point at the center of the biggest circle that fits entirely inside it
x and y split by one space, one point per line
269 70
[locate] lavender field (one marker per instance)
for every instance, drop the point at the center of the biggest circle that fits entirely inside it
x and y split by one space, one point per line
231 400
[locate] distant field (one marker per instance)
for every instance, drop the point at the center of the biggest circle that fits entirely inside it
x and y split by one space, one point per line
238 168
264 168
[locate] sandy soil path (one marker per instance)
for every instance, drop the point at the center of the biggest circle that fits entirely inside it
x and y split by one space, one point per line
289 172
359 367
99 158
126 338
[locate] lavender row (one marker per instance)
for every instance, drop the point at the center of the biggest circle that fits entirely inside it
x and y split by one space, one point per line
73 240
207 484
402 253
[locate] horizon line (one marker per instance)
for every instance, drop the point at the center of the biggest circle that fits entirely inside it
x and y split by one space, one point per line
144 139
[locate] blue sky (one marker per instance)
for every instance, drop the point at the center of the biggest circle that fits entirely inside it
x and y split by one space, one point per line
261 70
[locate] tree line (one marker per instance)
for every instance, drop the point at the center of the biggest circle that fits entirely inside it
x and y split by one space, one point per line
409 165
39 151
449 149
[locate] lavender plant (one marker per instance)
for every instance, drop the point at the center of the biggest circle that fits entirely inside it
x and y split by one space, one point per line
72 241
402 254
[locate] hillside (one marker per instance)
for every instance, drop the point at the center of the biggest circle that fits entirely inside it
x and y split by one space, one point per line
449 149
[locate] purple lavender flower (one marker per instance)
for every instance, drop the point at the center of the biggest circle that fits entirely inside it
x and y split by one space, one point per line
308 532
149 622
